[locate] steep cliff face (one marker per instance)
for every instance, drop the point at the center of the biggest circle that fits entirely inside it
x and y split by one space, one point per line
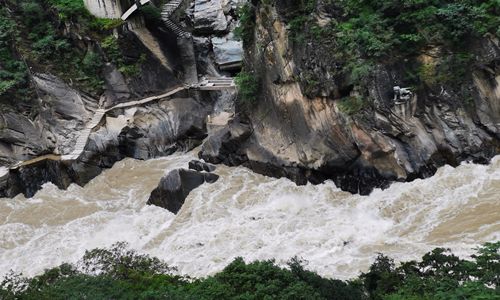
84 63
311 122
106 62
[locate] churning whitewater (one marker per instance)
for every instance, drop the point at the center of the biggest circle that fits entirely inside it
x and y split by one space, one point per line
253 216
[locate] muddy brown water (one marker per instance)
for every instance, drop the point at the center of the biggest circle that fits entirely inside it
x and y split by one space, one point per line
253 216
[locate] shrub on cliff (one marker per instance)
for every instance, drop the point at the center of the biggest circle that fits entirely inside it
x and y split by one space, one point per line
12 70
364 33
44 34
245 29
248 87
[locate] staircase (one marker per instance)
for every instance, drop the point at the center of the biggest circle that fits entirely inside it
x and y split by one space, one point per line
167 11
81 142
209 84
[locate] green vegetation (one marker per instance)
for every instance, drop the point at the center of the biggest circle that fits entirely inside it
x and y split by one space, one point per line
12 70
111 47
351 105
300 15
152 15
389 28
364 33
248 88
118 273
35 33
245 29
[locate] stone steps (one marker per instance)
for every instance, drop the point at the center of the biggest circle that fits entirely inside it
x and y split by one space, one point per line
167 11
211 84
84 134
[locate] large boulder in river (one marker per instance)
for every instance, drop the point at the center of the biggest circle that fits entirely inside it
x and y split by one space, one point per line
176 186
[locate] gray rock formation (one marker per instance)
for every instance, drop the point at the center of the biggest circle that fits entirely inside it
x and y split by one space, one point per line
228 52
162 129
112 9
303 132
201 166
226 145
147 132
176 186
209 16
21 138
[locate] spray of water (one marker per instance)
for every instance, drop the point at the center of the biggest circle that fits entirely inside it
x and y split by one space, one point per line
253 216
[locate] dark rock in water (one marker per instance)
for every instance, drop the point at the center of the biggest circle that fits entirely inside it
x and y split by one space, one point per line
201 166
176 186
211 177
28 180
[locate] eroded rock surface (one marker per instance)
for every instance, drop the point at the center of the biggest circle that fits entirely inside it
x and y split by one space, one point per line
301 129
209 16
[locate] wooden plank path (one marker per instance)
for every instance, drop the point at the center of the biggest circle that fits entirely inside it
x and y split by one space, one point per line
209 84
215 84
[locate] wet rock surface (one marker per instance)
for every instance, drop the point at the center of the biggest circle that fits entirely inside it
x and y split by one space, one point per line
201 166
176 186
225 146
227 50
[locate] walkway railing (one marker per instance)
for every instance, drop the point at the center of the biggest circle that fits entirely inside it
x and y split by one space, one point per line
208 84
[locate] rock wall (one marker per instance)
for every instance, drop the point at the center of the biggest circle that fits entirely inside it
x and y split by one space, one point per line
306 135
51 121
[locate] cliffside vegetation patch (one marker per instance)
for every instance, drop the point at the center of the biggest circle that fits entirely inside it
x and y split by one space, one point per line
245 29
248 88
51 36
349 39
118 273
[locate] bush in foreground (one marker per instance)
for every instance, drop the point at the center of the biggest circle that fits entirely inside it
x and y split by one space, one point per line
118 273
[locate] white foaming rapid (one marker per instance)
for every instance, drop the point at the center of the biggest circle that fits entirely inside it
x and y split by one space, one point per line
253 216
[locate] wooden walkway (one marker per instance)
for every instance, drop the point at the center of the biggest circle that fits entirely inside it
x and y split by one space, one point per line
215 84
210 84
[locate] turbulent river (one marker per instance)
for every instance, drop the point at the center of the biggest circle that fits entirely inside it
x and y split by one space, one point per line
253 216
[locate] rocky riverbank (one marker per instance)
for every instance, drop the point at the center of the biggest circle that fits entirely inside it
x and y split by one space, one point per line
49 123
393 118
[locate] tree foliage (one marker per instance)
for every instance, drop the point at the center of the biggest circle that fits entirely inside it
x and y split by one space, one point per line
35 33
363 33
120 273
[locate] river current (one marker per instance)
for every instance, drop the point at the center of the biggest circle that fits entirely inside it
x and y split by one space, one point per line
253 216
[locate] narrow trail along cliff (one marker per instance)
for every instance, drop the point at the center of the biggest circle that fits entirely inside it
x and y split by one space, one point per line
207 84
